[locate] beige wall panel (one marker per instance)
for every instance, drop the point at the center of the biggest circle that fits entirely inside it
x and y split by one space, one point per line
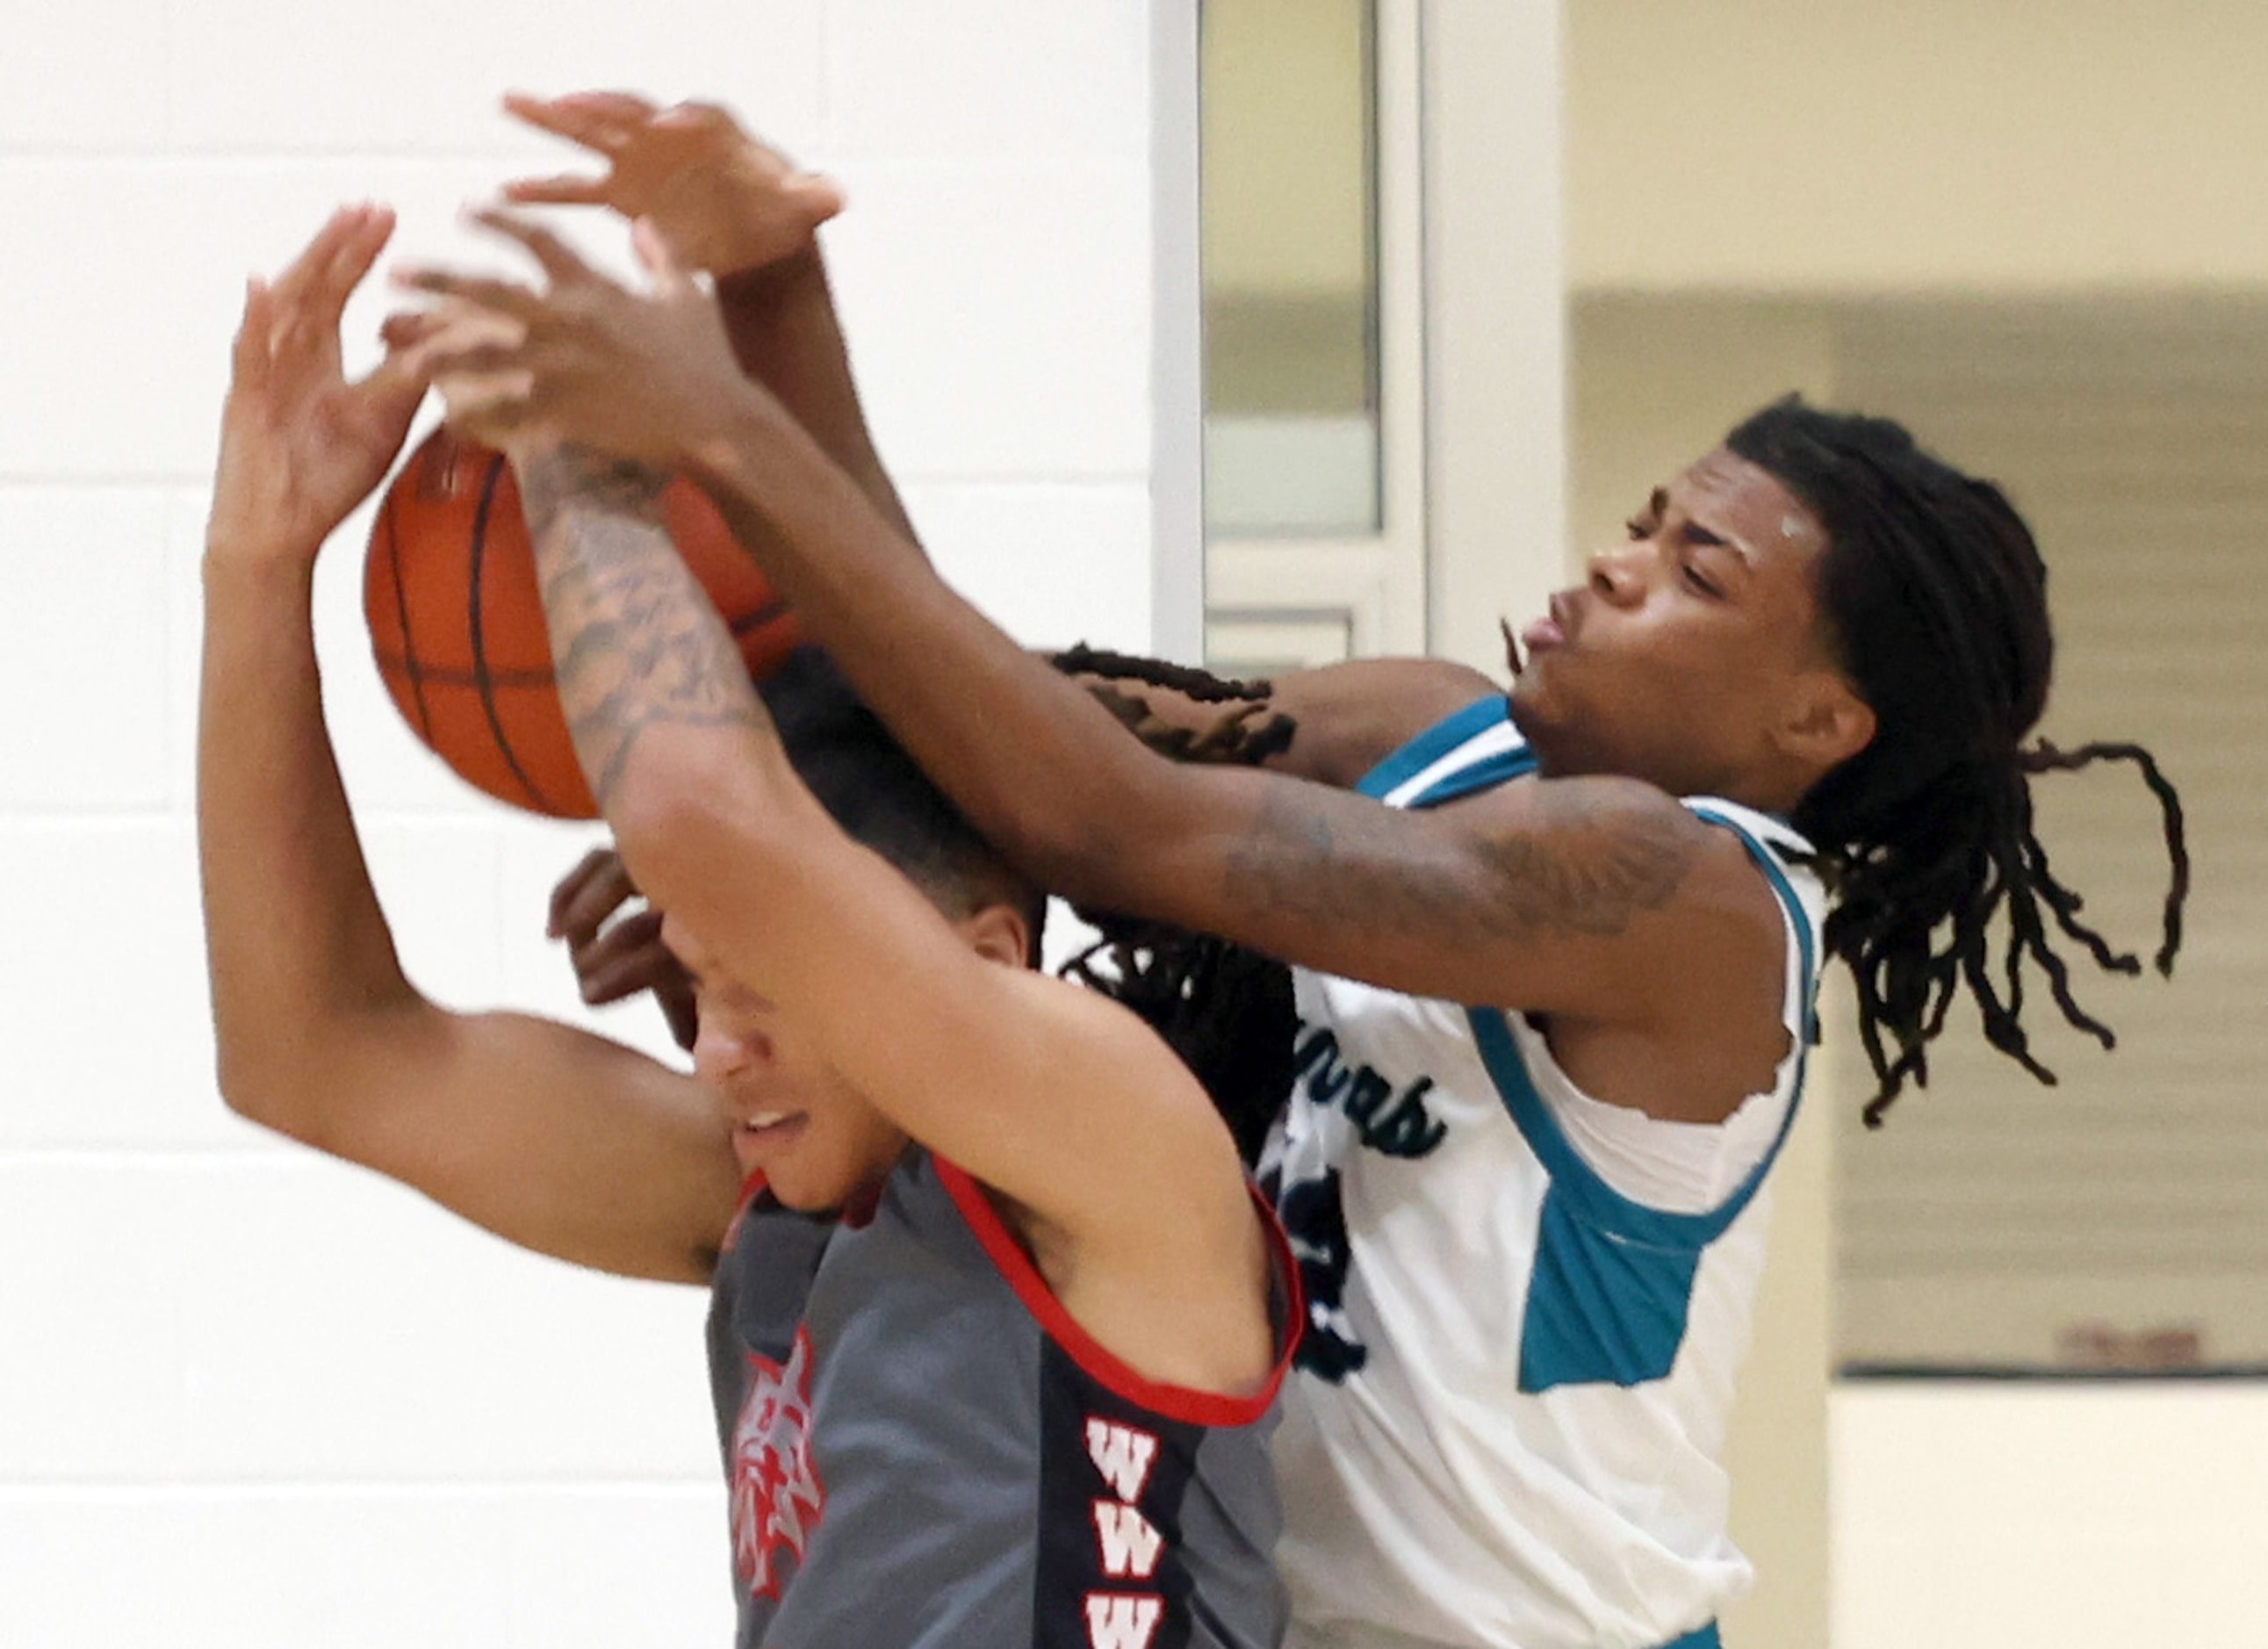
1287 140
1789 145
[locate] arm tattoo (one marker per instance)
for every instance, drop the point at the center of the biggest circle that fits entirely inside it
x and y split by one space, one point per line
1584 867
636 640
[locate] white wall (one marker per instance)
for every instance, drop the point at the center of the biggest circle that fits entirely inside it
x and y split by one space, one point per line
247 1396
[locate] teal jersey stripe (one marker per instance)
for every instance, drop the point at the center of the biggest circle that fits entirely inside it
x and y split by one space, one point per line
1432 745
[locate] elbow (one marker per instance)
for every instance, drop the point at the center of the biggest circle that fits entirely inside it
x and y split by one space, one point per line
264 1086
308 1075
663 815
686 833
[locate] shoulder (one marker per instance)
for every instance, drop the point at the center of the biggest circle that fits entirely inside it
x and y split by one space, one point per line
1616 834
1657 899
1353 716
1104 1083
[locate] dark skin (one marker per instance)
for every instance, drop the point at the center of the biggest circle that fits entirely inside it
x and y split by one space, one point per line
1349 716
1692 659
729 204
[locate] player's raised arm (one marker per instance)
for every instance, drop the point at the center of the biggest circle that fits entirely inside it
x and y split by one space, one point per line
553 1139
1061 1099
1523 900
732 206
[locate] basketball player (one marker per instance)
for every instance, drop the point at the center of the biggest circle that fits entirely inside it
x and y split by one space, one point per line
1556 960
997 1320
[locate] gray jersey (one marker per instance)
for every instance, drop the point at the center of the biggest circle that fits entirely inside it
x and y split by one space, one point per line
925 1451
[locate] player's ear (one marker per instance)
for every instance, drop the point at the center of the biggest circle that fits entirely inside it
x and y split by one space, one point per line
1825 723
998 933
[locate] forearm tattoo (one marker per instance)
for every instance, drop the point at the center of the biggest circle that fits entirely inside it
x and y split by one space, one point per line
636 640
1584 866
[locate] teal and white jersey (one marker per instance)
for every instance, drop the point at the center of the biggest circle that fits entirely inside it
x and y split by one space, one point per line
1525 1308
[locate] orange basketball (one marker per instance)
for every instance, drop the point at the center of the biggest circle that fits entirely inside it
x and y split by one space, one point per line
456 620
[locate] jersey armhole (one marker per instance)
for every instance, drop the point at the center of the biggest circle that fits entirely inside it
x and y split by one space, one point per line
1606 1206
1173 1402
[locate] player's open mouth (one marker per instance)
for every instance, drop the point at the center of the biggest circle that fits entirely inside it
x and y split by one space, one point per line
758 1139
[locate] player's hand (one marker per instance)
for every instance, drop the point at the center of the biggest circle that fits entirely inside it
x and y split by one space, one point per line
300 445
617 952
723 201
640 375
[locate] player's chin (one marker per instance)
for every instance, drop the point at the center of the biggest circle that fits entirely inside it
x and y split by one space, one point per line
812 1179
1533 695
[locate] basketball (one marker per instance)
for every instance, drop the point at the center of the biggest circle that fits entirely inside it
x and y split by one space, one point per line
456 620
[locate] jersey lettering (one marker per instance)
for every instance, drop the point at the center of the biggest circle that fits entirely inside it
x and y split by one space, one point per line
1398 1125
1129 1544
1314 1219
1122 1455
1115 1620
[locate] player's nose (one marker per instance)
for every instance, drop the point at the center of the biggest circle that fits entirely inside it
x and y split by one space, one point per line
1615 573
724 1048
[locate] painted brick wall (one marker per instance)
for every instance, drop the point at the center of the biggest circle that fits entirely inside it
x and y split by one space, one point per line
247 1396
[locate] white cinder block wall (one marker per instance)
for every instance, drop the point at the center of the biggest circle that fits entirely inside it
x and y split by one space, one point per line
249 1397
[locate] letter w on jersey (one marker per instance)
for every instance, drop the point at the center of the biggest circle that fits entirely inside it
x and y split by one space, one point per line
1114 1622
1124 1455
1129 1544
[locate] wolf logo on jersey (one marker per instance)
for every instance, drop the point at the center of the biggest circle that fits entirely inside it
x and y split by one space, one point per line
777 1500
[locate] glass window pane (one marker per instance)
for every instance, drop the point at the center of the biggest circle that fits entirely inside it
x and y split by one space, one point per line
1291 283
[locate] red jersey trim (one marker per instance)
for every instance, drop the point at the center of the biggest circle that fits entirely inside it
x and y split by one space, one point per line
1172 1403
750 1189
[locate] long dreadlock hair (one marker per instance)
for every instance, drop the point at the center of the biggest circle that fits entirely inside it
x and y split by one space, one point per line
1226 1010
1936 600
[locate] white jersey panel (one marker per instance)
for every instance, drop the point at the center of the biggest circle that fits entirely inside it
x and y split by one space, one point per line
1517 1380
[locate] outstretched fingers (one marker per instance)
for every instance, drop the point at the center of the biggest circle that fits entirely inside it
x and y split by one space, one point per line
600 120
476 358
302 272
564 188
454 358
249 356
368 229
560 261
479 291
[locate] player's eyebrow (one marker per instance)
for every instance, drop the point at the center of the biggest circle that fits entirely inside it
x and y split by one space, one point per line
1692 531
1695 532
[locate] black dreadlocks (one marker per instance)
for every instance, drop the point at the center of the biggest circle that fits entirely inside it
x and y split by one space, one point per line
1225 1009
1935 597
